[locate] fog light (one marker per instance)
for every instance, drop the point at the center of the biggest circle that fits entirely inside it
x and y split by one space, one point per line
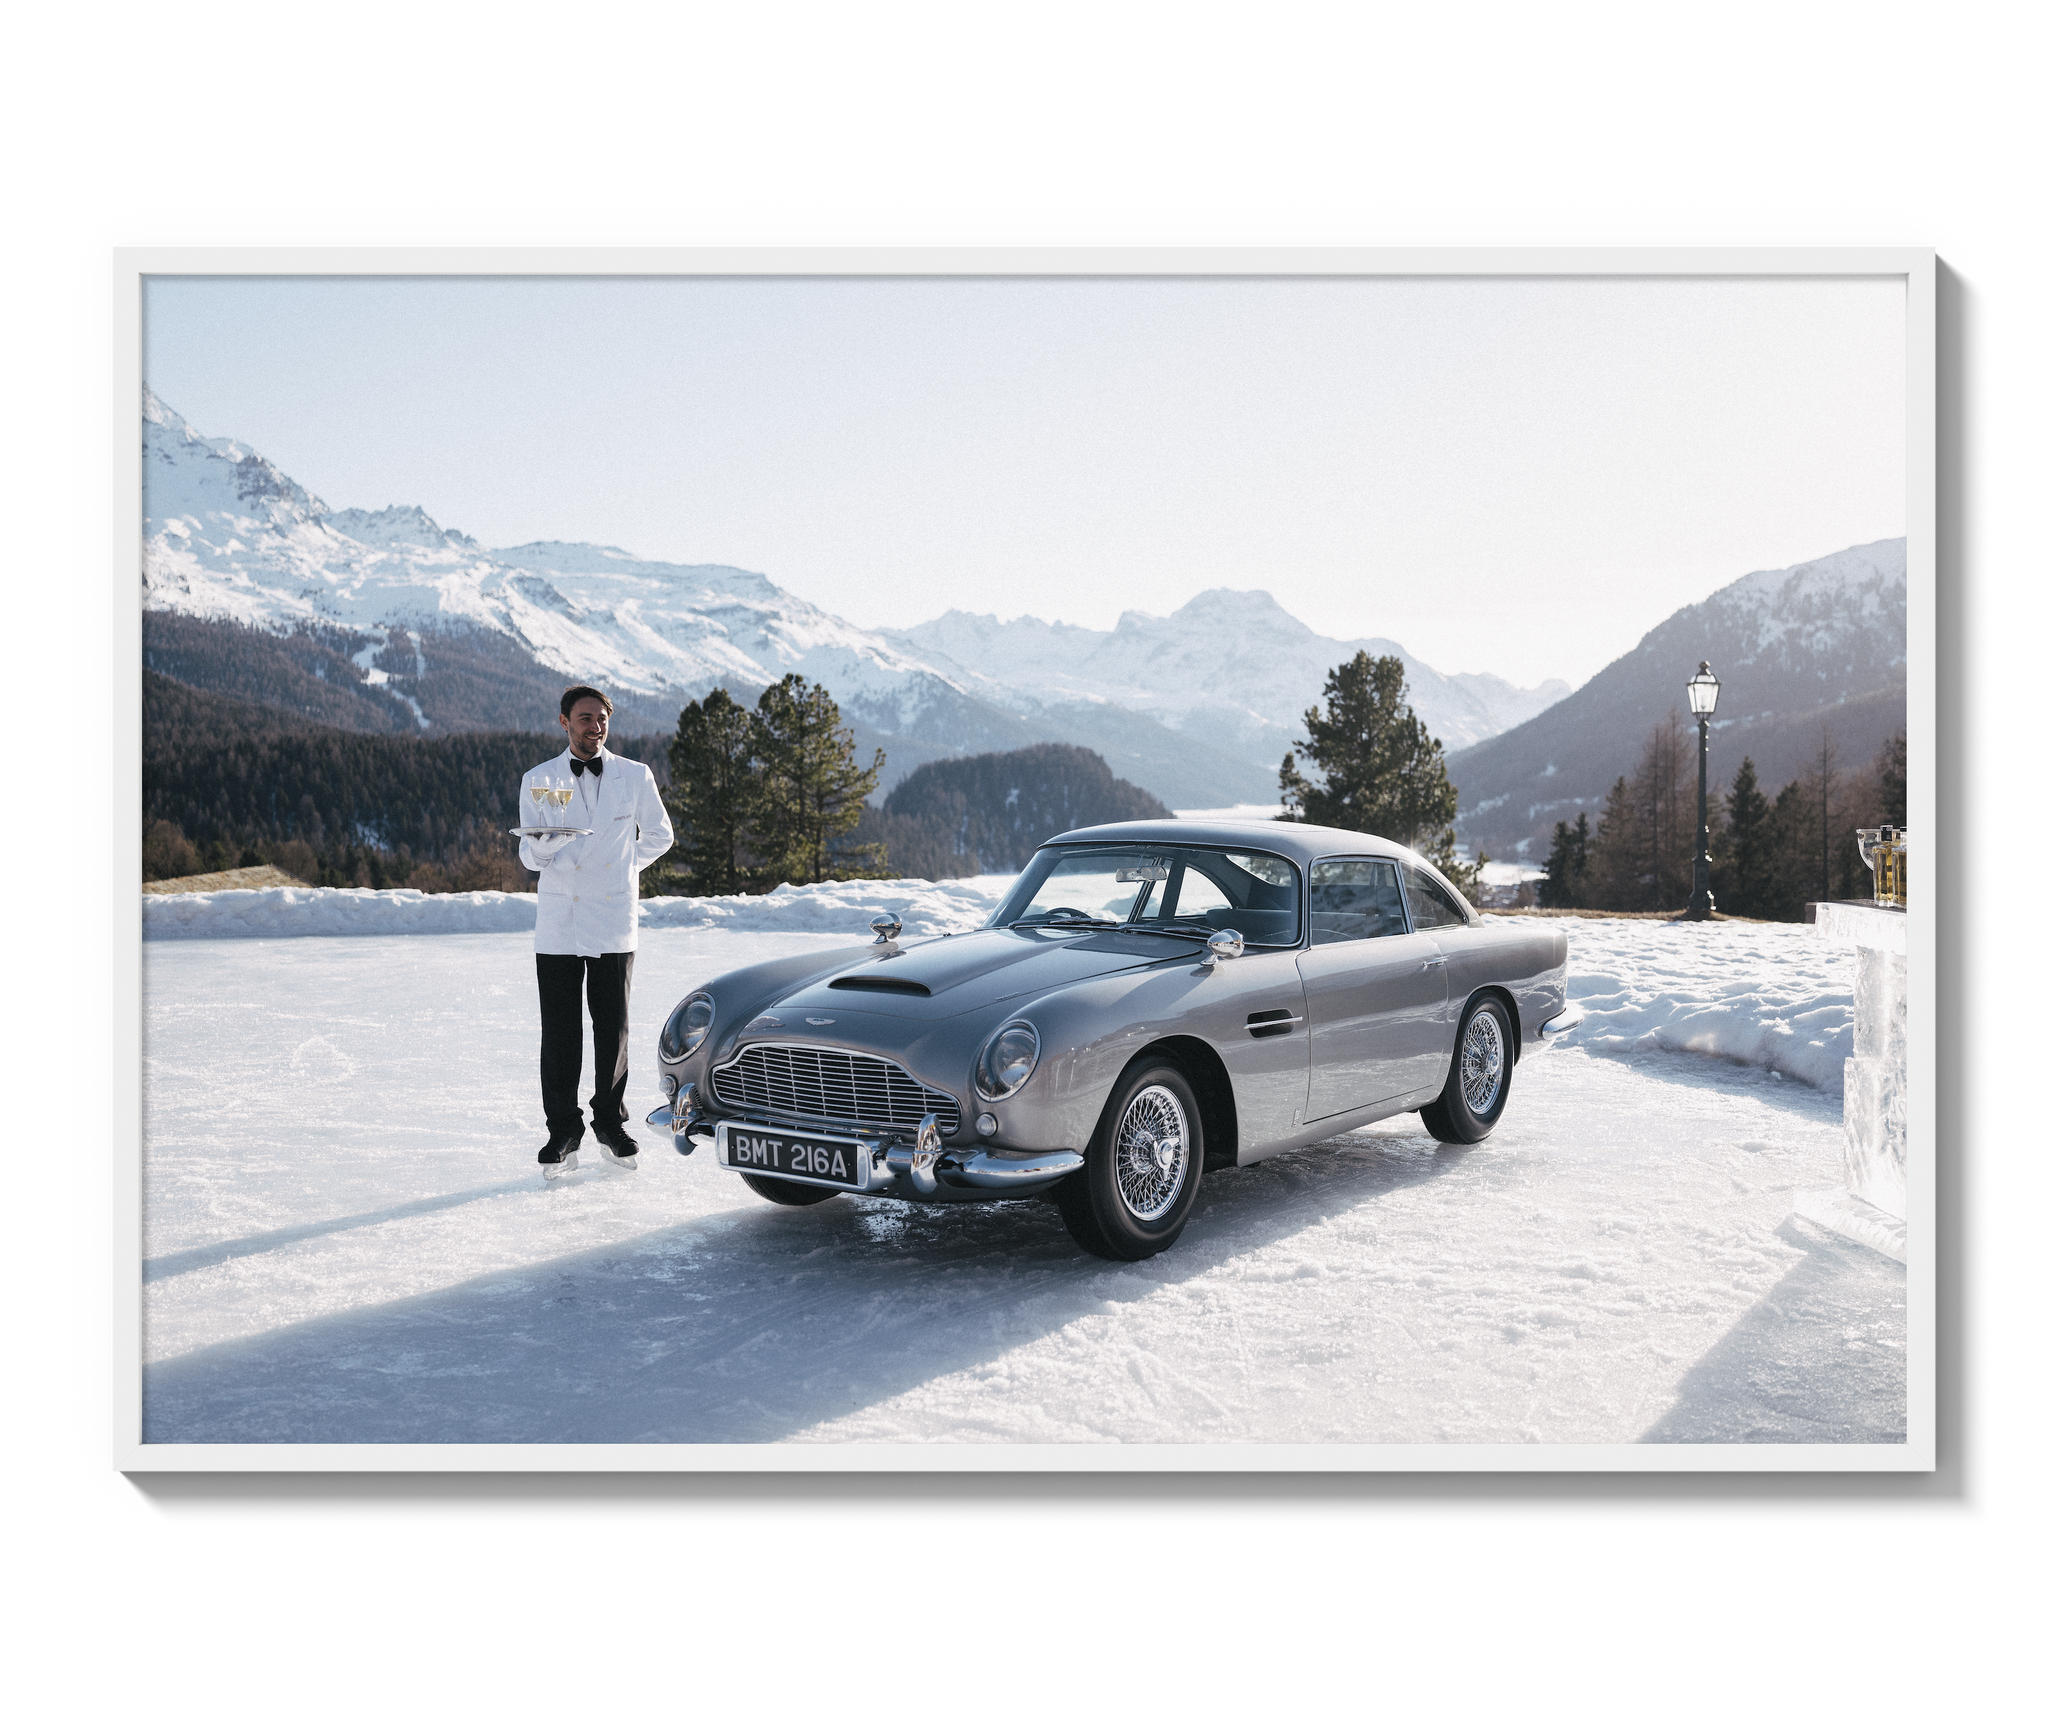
985 1125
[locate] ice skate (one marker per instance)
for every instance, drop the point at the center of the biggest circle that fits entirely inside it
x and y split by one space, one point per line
558 1158
618 1148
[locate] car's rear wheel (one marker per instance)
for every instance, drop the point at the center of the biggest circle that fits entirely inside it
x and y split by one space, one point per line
787 1192
1482 1068
1132 1195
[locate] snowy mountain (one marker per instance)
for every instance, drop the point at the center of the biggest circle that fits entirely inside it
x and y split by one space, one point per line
434 629
1231 667
1795 648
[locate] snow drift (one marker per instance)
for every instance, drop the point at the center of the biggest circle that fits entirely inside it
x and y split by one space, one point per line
927 909
1774 996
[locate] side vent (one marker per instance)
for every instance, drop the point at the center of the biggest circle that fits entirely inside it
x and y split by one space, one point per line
1271 1022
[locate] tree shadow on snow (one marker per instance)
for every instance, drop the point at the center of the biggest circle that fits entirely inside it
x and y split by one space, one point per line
743 1326
269 1240
1821 1359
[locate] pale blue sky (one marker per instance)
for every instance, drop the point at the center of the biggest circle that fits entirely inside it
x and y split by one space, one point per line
1520 476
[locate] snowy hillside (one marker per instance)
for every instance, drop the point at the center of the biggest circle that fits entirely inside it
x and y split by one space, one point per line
1198 703
231 537
1233 667
1793 647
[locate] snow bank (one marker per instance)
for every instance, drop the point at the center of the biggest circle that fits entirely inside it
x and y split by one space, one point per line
1774 996
926 909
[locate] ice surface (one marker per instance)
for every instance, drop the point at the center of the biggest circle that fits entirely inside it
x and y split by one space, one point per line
346 1239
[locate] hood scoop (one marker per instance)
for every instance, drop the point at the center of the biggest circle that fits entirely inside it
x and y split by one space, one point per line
890 986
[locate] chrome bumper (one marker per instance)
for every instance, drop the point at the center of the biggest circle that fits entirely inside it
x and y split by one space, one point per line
1559 1024
920 1168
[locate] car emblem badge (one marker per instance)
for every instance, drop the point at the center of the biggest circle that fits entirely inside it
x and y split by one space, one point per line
817 1020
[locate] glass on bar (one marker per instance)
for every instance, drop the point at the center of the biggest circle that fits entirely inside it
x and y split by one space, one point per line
1884 851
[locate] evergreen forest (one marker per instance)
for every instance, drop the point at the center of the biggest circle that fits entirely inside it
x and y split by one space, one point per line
1772 854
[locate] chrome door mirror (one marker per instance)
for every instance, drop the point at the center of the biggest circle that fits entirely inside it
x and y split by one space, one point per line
1224 945
887 927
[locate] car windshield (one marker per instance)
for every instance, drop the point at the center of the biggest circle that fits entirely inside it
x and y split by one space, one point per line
1162 887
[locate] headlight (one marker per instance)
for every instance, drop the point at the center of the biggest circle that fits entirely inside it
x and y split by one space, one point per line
687 1027
1008 1060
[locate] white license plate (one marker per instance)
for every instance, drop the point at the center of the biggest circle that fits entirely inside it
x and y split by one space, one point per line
790 1155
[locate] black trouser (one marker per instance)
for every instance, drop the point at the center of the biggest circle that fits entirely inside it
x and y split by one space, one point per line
562 978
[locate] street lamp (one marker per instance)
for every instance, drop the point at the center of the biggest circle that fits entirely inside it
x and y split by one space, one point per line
1702 692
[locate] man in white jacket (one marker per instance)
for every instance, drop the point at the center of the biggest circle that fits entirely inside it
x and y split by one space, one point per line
589 922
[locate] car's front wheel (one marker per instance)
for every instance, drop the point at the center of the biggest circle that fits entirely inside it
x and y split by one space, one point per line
1482 1067
1132 1195
788 1192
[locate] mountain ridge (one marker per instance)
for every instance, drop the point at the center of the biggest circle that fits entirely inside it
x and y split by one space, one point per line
1819 642
233 539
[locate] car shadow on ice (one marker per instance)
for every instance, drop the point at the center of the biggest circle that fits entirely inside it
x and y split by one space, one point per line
743 1326
1821 1359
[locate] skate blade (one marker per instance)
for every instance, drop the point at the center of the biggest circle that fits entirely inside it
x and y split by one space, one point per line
617 1162
556 1171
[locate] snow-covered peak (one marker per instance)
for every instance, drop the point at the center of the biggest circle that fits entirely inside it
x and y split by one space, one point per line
1844 613
411 527
231 535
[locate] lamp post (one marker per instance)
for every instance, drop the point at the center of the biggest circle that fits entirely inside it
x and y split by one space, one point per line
1702 692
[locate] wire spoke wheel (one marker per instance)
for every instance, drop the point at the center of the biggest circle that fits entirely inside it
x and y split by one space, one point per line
1482 1058
1151 1152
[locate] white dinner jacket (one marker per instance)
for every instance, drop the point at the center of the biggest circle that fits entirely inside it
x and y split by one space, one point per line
590 888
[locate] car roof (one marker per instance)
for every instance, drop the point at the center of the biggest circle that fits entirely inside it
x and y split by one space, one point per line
1297 841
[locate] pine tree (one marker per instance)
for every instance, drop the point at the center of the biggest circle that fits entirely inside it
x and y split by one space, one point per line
1744 880
716 795
1614 856
1564 876
814 786
1823 785
1891 780
1792 867
1381 772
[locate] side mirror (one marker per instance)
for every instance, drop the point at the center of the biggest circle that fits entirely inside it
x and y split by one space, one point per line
887 927
1224 945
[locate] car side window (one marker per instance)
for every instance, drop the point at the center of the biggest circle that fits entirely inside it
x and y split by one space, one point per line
1431 903
1350 900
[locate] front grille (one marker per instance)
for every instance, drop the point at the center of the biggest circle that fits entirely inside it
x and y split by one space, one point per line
809 1084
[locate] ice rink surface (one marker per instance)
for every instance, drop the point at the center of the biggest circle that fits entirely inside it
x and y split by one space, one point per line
347 1239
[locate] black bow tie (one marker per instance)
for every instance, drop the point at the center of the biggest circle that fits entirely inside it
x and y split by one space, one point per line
595 765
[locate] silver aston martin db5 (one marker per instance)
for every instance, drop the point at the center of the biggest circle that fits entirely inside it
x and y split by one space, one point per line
1150 1000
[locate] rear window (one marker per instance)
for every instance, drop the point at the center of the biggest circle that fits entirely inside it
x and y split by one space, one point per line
1352 900
1431 903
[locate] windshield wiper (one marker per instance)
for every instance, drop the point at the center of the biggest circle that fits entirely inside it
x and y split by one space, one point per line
1079 920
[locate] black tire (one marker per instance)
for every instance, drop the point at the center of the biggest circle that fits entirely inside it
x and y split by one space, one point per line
1482 1068
1132 1196
788 1192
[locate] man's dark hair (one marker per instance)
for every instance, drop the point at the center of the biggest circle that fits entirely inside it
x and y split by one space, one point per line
575 694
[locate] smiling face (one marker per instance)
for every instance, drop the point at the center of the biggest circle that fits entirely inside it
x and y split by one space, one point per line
586 725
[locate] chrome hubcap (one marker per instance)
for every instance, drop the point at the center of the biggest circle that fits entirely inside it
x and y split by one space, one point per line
1151 1152
1482 1060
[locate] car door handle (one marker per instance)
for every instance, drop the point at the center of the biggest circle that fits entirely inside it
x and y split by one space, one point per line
1435 960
